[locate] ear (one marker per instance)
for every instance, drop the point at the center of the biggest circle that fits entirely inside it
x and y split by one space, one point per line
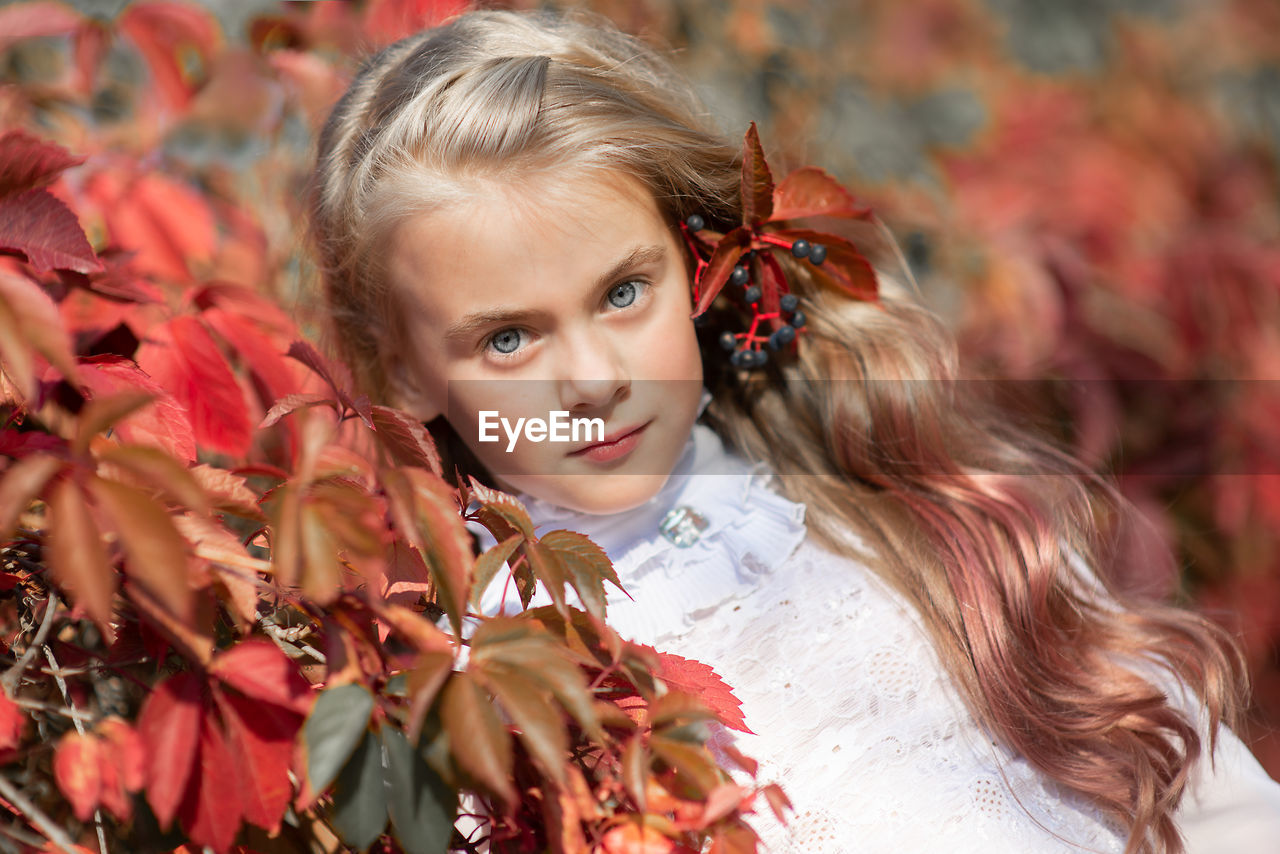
407 392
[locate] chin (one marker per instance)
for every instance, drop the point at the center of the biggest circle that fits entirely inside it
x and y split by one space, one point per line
599 495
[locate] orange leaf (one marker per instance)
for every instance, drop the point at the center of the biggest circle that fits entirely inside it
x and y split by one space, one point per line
479 742
698 679
636 838
21 483
156 554
77 555
77 767
812 192
29 320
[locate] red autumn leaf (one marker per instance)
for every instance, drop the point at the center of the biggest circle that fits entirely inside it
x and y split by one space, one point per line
258 668
35 20
812 192
698 679
27 162
41 226
123 766
177 41
262 742
846 269
12 722
78 557
406 439
163 424
262 355
169 726
757 181
718 269
211 810
90 43
167 223
77 766
337 376
184 359
386 21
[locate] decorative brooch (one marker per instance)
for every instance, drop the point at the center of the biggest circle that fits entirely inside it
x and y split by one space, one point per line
745 257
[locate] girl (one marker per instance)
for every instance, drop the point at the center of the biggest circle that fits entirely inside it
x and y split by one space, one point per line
508 212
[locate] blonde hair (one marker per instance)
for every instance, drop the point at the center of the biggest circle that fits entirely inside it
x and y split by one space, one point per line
973 521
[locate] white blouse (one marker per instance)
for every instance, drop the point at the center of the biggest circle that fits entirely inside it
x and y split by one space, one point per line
852 712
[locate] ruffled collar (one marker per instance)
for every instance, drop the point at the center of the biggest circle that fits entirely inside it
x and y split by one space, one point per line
749 531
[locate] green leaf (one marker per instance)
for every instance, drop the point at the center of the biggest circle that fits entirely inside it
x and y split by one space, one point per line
360 797
338 720
480 744
488 564
423 807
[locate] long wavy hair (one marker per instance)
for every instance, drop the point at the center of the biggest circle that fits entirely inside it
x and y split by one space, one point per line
994 535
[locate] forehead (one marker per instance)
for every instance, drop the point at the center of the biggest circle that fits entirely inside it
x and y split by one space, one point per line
520 243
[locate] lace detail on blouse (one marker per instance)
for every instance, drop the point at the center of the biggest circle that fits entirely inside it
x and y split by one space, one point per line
853 712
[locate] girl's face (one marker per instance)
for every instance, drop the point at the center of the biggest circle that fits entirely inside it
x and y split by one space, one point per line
566 295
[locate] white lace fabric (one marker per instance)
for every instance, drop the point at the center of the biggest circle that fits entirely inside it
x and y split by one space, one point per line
852 712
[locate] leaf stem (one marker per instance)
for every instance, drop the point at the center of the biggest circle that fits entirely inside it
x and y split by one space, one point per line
43 823
14 674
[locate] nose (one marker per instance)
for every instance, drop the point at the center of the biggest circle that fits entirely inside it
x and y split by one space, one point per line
594 370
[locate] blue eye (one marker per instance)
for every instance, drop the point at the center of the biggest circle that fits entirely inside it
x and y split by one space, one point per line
623 295
506 342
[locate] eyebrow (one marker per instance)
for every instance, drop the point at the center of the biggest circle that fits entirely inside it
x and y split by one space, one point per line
471 323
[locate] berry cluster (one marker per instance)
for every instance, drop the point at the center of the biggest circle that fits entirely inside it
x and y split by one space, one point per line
748 349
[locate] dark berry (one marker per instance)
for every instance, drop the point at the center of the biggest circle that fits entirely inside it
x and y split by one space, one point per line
739 276
785 335
789 302
695 222
728 340
817 253
797 319
753 294
761 359
740 359
800 248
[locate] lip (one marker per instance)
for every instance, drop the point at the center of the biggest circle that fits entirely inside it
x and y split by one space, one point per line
614 446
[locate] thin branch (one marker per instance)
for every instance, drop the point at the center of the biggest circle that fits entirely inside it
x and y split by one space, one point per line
66 696
43 823
37 706
14 674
